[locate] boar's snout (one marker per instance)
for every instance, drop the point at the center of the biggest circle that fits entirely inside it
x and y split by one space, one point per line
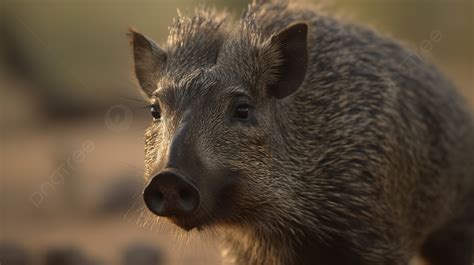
170 194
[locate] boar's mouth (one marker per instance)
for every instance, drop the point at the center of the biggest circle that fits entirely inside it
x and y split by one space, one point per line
207 216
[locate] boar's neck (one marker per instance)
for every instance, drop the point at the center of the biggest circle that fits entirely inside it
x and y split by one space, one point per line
261 247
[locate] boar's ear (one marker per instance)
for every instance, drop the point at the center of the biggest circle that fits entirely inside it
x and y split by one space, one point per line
149 60
292 45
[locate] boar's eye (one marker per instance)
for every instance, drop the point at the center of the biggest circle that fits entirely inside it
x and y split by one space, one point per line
241 111
155 111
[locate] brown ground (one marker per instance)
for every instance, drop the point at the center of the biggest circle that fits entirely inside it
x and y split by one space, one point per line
68 214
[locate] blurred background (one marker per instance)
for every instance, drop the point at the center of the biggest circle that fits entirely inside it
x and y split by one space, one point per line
72 120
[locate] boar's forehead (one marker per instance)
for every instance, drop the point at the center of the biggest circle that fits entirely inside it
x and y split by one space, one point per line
203 88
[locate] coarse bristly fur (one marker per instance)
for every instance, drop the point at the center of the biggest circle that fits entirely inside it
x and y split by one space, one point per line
369 161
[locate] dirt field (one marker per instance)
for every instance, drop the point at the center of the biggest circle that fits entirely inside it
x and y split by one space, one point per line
68 215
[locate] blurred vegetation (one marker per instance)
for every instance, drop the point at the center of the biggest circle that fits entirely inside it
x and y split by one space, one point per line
78 50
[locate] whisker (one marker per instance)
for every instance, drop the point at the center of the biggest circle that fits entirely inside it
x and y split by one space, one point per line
132 166
133 99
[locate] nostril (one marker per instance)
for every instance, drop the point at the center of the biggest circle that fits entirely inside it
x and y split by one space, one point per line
187 200
158 198
185 195
154 201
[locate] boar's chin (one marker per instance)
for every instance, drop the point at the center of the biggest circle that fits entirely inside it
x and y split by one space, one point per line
185 224
188 223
